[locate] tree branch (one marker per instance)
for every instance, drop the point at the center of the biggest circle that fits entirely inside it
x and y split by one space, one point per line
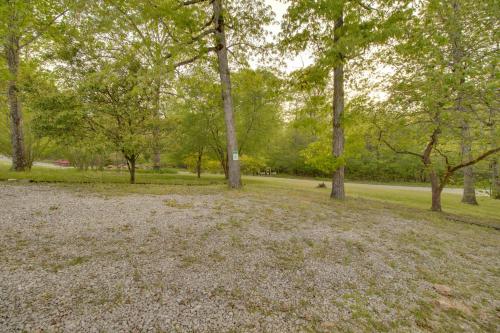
391 147
477 159
192 2
196 57
202 34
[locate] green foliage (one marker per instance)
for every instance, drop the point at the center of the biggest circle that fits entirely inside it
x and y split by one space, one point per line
112 76
252 165
201 120
319 156
438 66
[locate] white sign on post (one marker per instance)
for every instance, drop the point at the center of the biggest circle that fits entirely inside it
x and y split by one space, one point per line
235 155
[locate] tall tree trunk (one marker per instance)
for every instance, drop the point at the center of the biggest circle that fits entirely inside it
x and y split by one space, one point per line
338 191
12 50
234 180
436 191
469 192
156 129
494 163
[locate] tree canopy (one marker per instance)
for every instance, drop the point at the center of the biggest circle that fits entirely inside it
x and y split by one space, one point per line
396 90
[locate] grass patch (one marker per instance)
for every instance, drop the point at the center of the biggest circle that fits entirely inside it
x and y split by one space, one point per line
70 175
176 204
410 202
112 182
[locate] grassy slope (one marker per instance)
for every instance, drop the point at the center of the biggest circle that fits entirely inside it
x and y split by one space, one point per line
112 181
487 209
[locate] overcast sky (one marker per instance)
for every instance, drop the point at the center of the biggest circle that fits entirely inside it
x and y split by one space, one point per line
305 58
300 61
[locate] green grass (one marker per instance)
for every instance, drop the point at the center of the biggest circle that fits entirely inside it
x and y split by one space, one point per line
70 175
116 182
488 209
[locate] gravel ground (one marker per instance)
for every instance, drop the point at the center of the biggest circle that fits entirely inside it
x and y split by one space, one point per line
236 262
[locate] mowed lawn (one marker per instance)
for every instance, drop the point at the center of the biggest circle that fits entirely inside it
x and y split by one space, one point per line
488 209
88 252
409 197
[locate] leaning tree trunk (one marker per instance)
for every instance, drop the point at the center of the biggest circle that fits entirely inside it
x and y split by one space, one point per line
338 191
234 180
12 50
436 191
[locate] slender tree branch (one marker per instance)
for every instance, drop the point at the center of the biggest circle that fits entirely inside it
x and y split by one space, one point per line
394 149
196 57
192 2
477 159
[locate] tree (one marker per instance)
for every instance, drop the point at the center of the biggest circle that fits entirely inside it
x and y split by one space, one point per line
201 124
246 20
427 97
23 23
258 96
33 81
257 110
109 105
354 26
234 179
161 32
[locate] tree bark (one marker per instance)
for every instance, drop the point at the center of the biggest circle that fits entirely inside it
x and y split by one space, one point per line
338 191
436 191
494 163
12 50
156 158
225 167
469 192
156 129
234 180
495 178
131 167
198 163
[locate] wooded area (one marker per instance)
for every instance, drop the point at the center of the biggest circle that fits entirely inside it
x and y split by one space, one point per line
397 90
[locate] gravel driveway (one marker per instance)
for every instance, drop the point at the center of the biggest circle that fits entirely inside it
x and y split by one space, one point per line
238 262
